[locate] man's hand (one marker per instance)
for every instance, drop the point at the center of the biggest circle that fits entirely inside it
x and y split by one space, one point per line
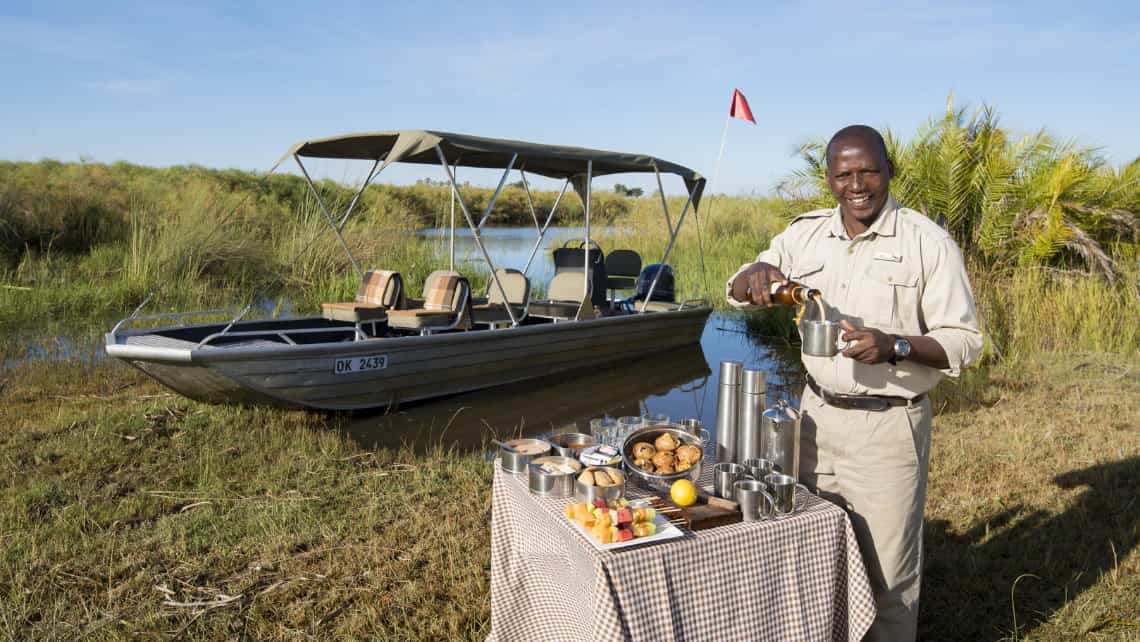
867 345
754 285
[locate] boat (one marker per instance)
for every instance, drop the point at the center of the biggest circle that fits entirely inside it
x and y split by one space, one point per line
385 348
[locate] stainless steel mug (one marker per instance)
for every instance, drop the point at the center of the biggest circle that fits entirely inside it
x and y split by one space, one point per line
759 468
783 490
725 474
821 338
695 427
756 504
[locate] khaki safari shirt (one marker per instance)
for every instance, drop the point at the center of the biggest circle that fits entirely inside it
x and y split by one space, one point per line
904 275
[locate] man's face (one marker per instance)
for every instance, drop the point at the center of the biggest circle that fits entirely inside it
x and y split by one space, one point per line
859 176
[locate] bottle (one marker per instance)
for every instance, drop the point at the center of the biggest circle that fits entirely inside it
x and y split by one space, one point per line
751 409
728 410
792 293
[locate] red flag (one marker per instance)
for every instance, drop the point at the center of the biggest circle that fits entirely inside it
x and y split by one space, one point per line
740 107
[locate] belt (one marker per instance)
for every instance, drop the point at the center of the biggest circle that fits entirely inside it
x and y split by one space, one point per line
876 403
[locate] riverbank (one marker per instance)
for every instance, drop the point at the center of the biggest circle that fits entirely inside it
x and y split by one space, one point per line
129 511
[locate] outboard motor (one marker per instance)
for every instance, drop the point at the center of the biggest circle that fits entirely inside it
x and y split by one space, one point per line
665 287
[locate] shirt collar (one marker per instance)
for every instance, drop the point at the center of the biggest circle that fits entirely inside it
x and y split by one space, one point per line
884 225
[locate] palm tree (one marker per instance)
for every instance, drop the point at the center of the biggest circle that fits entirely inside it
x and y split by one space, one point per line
1033 201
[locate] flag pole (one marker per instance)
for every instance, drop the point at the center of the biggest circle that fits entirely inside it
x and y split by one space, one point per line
701 220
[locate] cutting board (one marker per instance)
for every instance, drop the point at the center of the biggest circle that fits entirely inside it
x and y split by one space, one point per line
707 512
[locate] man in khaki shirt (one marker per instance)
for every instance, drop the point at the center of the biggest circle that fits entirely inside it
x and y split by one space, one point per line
898 286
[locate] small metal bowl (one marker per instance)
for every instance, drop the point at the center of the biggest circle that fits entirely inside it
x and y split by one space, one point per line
514 461
653 481
571 444
589 492
552 484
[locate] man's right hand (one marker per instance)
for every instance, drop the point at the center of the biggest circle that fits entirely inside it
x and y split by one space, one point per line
754 284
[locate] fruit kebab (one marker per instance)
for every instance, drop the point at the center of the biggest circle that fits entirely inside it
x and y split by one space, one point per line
614 521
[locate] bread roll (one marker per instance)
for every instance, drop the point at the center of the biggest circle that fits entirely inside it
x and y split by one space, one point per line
643 450
666 442
587 477
615 476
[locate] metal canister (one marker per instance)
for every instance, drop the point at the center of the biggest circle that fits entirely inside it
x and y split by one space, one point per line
728 410
751 410
780 438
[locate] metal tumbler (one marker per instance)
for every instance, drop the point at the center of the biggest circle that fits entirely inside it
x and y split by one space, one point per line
728 410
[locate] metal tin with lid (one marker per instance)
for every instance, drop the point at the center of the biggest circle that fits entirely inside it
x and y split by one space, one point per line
780 438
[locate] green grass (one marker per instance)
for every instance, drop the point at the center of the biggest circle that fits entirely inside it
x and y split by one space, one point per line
127 512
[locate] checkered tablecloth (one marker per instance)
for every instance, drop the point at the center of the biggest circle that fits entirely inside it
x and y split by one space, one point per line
799 578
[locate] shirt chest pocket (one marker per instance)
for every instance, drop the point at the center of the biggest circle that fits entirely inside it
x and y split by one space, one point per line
809 272
893 295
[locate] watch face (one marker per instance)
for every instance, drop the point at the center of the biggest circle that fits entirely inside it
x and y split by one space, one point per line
902 348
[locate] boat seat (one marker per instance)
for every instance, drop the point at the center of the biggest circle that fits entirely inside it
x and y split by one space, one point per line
494 311
568 298
445 305
380 290
622 270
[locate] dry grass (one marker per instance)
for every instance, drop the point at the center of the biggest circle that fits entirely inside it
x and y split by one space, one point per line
1033 518
128 512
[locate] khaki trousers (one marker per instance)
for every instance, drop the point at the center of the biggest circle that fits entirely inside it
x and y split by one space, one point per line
874 465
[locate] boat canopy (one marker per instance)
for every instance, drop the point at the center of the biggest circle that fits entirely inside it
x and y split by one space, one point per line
554 161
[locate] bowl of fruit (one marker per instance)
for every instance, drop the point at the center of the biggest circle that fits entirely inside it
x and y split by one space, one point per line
657 456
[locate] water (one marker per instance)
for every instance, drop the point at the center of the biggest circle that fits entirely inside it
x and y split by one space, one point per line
679 383
508 247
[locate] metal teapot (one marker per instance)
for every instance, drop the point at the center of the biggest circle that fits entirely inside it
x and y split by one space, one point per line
780 438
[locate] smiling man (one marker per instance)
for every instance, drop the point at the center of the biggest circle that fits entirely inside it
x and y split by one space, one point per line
897 284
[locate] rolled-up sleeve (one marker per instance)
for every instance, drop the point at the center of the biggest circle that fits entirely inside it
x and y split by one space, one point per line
776 254
948 308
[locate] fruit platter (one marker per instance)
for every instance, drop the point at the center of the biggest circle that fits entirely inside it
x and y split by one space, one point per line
617 524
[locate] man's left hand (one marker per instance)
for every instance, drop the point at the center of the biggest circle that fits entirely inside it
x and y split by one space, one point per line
867 345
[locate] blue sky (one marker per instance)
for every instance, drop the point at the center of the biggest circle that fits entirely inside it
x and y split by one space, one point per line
233 84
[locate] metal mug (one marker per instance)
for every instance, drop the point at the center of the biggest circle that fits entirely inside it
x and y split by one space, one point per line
695 427
821 338
759 468
783 490
756 505
725 474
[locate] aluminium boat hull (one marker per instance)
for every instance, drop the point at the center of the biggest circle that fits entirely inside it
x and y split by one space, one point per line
413 367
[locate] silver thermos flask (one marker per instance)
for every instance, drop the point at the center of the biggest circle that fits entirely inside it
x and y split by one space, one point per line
728 410
751 410
780 438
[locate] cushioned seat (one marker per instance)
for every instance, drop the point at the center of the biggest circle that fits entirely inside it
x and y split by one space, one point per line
569 298
445 305
380 290
494 311
622 270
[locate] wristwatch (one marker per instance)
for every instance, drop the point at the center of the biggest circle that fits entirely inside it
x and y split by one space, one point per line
901 350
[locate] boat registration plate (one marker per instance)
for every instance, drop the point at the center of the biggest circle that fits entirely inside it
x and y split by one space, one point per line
360 364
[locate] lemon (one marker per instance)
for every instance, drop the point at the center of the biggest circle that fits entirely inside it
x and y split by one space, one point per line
683 492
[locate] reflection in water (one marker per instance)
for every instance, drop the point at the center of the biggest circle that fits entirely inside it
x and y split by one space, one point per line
679 383
558 403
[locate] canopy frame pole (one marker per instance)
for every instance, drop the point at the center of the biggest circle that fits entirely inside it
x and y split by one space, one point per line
665 257
586 256
451 241
664 203
328 217
352 204
475 229
529 199
498 190
545 226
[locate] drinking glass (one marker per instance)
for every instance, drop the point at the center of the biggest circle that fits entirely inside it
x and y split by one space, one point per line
654 419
